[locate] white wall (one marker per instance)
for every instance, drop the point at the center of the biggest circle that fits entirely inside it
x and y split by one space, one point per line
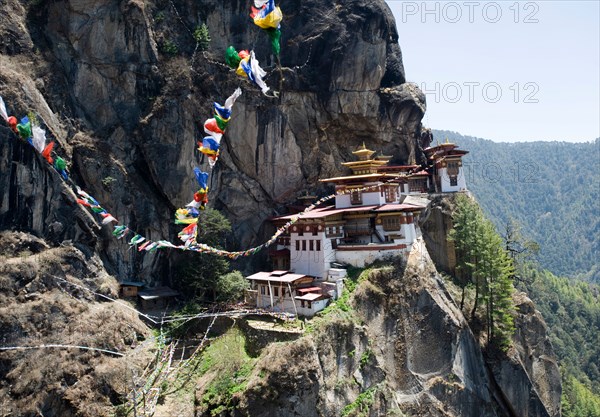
342 201
314 263
370 198
286 304
409 232
279 303
445 180
316 306
383 233
373 198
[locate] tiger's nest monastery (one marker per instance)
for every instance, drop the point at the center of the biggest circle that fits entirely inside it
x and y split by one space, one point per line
374 217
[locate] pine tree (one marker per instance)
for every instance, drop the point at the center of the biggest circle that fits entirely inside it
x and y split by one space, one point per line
202 37
464 237
482 261
198 274
500 304
520 249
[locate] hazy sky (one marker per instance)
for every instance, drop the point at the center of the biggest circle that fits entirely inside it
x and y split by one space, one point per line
505 70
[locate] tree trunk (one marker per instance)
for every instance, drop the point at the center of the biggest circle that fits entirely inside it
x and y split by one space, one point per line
475 304
490 315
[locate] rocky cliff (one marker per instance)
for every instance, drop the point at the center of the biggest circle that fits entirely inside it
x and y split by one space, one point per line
122 90
401 347
43 303
126 109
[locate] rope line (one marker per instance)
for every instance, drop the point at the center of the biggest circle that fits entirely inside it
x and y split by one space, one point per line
52 346
166 319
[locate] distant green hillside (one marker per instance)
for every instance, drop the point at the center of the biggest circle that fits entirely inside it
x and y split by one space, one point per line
551 188
571 309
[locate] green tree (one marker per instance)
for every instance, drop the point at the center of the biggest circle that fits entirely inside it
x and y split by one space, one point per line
482 261
465 220
199 273
577 400
169 47
231 287
499 272
520 249
202 36
213 228
571 310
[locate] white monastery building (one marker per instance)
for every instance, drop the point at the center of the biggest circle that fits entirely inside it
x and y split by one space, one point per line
374 217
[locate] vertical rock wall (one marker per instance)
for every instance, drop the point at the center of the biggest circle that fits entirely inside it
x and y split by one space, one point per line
127 112
407 347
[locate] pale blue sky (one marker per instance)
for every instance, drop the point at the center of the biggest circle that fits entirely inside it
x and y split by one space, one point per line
542 57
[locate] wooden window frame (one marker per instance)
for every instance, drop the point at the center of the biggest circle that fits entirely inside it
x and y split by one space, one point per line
391 223
390 194
356 197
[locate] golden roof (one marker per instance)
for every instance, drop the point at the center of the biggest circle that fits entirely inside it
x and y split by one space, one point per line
364 177
363 153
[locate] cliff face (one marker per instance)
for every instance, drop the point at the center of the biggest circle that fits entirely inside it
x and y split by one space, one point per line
403 349
528 376
42 303
127 115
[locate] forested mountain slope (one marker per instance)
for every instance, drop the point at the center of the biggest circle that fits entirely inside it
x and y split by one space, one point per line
551 188
572 311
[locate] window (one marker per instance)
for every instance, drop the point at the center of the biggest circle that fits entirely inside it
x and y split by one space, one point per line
452 168
311 245
297 245
276 291
262 290
318 246
418 185
390 194
453 181
391 223
283 292
333 231
355 197
304 245
284 241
